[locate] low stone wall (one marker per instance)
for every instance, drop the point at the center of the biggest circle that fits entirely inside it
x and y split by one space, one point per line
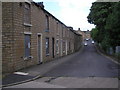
110 52
117 49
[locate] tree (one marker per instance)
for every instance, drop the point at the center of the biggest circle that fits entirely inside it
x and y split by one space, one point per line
106 17
98 16
94 34
113 26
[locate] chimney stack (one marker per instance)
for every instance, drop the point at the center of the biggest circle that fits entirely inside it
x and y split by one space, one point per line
40 4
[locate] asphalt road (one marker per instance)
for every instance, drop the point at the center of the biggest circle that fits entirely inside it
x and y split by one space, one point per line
88 63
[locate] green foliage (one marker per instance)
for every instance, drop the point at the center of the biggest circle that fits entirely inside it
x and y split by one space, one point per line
113 25
98 13
105 43
106 17
94 34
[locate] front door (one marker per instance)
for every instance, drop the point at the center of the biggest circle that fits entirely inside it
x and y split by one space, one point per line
53 43
66 48
39 49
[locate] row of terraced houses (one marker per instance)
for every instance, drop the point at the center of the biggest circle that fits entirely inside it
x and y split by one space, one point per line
31 35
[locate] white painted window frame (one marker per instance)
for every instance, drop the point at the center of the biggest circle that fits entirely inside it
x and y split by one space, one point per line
26 24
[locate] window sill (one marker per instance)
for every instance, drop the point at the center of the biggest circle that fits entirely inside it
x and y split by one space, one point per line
57 34
47 54
46 30
57 53
28 1
26 24
63 51
27 58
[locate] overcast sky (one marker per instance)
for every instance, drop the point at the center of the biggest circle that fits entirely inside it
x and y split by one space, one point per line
71 12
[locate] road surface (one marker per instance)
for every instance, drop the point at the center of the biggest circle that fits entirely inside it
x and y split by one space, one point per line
84 69
87 63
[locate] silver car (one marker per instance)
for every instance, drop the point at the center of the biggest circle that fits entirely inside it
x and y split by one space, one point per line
85 44
93 42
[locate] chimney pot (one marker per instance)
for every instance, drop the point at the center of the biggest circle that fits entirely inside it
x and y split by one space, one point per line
41 4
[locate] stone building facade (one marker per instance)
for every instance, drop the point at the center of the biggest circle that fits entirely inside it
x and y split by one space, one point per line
0 40
87 34
31 35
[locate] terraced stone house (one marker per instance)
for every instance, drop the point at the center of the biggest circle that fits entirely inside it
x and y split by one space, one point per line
31 35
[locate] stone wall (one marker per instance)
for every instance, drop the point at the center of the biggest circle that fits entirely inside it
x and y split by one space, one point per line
15 29
117 49
0 43
7 37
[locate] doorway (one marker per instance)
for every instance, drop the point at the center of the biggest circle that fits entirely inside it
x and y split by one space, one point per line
53 47
39 49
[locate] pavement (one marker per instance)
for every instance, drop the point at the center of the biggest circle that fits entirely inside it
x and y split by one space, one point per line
57 73
86 82
70 82
34 72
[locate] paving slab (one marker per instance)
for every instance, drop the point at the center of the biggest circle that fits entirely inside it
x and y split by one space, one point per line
89 82
34 71
70 82
34 84
15 78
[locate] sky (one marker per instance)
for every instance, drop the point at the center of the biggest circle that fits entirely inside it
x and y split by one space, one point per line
71 12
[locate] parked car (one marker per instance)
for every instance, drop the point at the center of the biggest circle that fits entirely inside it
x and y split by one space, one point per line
93 42
87 39
85 44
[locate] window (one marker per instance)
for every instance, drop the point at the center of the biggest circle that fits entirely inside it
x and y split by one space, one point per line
27 45
69 46
57 28
57 46
47 23
62 30
47 46
27 13
64 46
68 32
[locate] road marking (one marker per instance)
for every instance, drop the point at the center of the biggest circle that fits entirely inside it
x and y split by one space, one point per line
21 73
